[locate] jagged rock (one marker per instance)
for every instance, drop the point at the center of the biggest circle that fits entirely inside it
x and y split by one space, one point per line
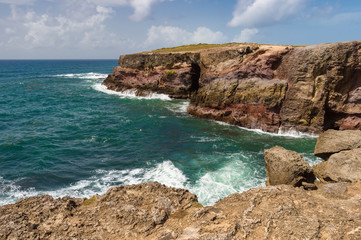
176 81
314 87
287 167
252 103
129 212
276 212
333 141
344 166
323 83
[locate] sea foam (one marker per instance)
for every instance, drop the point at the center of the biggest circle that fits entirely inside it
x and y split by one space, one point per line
90 75
130 93
164 172
210 187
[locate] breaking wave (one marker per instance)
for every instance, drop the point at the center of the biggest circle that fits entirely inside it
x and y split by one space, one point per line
130 93
90 75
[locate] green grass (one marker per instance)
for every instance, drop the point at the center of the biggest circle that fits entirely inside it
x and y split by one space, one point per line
89 201
203 46
197 205
169 72
194 47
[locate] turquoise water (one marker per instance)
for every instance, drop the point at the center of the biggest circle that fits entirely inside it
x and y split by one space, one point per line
62 133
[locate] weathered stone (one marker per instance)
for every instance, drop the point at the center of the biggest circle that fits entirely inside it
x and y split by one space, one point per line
276 212
333 141
314 88
286 167
344 166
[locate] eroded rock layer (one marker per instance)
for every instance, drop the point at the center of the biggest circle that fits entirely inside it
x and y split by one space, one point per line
309 89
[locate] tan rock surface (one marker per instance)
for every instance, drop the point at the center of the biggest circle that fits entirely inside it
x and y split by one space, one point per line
332 141
287 167
344 166
153 211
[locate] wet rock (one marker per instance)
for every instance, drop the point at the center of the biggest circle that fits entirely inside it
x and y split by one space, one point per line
333 141
287 167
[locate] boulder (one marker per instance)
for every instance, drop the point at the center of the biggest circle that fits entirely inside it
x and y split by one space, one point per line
333 141
287 167
344 166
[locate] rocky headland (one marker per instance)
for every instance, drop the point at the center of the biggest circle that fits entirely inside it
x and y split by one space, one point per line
268 87
294 205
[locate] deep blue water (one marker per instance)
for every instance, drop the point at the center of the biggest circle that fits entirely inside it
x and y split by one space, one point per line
62 133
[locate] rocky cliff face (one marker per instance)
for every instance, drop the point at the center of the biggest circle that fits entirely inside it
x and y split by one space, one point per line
174 74
309 89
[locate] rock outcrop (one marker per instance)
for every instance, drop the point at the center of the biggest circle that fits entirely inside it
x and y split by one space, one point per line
287 167
332 141
342 152
174 74
344 166
309 89
153 211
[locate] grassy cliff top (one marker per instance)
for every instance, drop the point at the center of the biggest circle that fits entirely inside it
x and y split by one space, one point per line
196 47
205 46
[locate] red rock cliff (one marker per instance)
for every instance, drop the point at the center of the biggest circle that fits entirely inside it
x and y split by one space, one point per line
309 89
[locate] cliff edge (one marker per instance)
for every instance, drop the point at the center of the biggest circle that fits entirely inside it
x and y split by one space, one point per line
268 87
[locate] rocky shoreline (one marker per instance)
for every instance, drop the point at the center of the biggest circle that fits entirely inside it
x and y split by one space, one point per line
268 87
294 205
309 89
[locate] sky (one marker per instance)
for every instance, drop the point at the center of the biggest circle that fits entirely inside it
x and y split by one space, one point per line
105 29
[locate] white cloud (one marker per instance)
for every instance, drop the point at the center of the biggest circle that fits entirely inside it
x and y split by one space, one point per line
171 36
256 13
48 31
57 35
17 2
142 8
246 35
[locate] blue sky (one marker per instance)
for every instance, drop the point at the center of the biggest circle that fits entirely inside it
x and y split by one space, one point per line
104 29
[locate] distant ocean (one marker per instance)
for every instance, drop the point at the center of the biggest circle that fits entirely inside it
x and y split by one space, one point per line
63 133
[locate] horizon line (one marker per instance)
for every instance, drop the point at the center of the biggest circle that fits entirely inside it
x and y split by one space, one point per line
54 59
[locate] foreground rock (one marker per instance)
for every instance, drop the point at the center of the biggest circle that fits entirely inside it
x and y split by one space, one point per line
342 150
344 166
153 211
287 167
309 89
333 141
129 212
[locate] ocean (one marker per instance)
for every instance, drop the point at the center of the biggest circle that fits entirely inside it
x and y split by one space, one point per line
64 134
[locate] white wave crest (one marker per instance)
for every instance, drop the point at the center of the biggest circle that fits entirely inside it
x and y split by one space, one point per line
234 177
90 75
130 93
179 107
283 133
165 173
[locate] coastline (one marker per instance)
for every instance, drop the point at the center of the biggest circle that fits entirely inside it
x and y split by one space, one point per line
289 206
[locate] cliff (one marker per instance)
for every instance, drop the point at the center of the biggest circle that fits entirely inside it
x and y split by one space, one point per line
292 206
309 89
